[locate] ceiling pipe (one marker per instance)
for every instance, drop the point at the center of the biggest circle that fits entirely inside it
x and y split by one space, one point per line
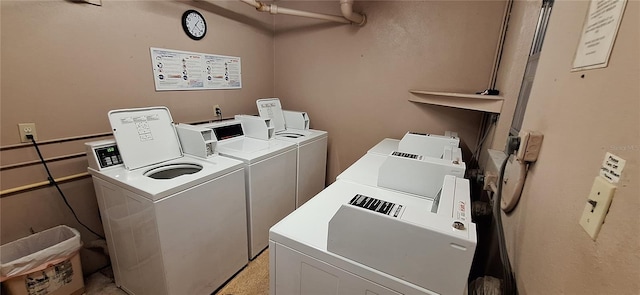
349 17
346 6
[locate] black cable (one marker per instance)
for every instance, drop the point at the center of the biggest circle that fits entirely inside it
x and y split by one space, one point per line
509 286
53 182
476 153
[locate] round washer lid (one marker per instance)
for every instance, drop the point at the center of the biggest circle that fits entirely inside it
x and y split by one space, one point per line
145 136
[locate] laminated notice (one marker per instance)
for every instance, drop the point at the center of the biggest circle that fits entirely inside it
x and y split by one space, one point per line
49 279
612 167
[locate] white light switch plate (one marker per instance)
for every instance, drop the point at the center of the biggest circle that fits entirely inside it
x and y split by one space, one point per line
597 206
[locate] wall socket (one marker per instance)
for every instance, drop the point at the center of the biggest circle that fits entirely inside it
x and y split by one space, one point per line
217 110
25 129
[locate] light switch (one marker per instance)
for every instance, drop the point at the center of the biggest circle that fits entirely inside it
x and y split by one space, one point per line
597 206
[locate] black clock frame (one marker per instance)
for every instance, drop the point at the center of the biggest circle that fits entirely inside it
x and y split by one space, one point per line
186 29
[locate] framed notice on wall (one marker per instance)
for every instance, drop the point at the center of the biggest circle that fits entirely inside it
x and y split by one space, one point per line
598 34
183 70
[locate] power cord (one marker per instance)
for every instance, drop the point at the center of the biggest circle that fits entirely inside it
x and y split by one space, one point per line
53 182
219 114
509 286
491 120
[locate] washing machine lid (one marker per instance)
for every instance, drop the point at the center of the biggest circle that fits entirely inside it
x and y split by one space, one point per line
251 150
145 136
272 109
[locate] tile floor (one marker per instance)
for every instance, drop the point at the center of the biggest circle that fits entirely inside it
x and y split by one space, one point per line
252 280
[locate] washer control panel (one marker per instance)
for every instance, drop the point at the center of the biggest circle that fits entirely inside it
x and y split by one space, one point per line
108 156
103 154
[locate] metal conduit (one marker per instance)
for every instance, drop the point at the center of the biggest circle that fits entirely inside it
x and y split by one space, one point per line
346 7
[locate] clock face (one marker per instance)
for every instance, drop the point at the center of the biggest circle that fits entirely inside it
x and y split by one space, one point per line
194 25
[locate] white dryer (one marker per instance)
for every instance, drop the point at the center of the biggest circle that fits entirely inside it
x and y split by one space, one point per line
429 145
358 239
174 224
312 146
416 164
270 170
406 173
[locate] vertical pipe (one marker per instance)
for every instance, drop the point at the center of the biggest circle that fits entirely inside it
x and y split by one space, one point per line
503 33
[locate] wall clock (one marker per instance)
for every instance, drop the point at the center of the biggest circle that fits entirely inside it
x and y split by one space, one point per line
194 24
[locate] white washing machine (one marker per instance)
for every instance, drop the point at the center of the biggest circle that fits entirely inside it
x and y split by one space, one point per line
174 224
270 170
312 146
358 239
311 164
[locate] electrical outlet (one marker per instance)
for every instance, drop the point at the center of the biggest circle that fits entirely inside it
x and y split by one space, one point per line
597 206
217 110
25 129
490 182
529 146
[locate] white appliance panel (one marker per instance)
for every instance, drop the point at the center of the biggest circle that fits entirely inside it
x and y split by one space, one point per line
407 250
252 150
272 109
306 230
203 257
433 146
270 169
145 136
429 145
312 169
365 170
305 275
385 147
134 243
245 146
186 243
422 176
156 189
167 216
271 185
312 161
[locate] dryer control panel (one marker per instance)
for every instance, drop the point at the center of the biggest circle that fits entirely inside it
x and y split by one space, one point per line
103 154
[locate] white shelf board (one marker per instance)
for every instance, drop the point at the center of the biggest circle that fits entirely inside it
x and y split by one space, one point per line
476 102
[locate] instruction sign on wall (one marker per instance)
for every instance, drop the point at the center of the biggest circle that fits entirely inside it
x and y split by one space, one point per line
183 70
598 34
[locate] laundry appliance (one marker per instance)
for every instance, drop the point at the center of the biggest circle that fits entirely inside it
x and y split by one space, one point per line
270 171
358 239
405 172
429 145
311 145
174 224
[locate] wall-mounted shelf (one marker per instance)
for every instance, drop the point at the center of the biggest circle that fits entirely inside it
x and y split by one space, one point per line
476 102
